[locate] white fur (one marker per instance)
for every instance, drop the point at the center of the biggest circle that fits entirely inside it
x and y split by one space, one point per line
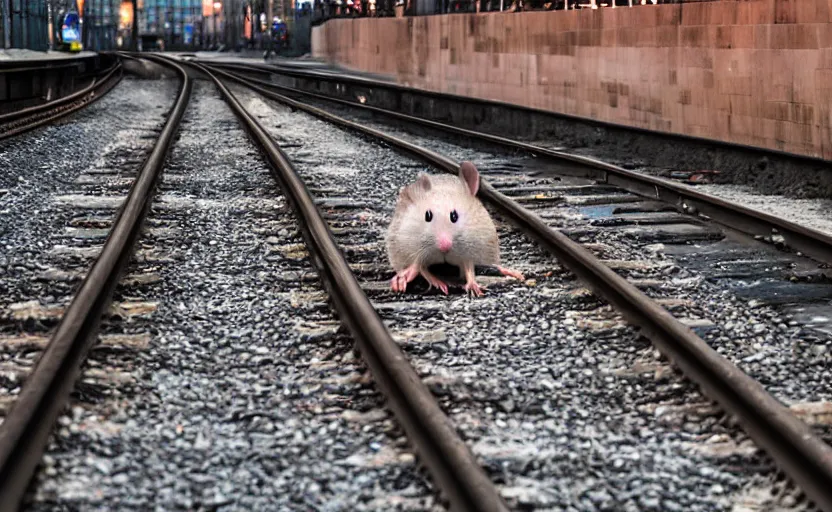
410 239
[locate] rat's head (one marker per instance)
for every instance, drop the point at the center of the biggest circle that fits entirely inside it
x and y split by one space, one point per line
439 209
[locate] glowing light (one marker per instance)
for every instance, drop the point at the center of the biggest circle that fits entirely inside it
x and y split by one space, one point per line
126 14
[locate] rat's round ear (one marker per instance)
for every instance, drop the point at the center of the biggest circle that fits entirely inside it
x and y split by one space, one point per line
422 184
423 181
470 177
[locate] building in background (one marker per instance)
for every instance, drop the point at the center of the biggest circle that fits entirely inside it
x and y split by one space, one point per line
26 24
100 21
171 23
162 24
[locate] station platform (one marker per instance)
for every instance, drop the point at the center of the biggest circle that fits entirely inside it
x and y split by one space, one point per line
12 55
29 78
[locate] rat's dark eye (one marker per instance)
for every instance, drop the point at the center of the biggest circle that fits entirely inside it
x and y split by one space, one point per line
454 216
428 216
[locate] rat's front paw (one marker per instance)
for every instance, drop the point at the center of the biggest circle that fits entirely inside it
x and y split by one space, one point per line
398 283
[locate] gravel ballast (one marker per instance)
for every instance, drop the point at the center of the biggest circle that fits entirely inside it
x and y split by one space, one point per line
247 396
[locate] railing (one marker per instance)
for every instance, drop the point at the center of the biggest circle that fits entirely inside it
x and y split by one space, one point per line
328 9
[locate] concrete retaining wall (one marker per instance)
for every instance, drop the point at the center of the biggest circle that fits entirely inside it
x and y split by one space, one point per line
32 81
756 72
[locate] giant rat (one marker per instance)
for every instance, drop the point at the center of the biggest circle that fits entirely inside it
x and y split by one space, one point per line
438 219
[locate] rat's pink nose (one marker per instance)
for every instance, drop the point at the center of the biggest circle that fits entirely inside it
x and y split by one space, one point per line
444 243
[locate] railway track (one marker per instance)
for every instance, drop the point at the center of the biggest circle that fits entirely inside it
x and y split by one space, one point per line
435 437
452 466
719 379
505 427
24 120
36 405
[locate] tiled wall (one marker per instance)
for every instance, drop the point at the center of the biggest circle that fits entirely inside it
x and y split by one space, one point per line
756 72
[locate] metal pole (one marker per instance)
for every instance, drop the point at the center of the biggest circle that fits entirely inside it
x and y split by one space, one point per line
24 25
49 27
84 27
7 25
134 27
89 21
227 30
159 26
96 25
93 21
230 18
269 16
46 19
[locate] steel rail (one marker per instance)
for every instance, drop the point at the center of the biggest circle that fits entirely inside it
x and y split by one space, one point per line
26 429
451 464
805 458
365 81
104 85
811 242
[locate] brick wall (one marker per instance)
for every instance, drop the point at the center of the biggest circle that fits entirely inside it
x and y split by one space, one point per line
756 72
